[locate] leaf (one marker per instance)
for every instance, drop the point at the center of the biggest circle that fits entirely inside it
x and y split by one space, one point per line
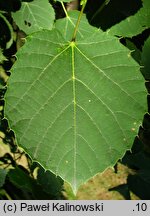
145 59
19 179
66 26
2 57
6 29
49 182
135 52
75 106
139 161
34 16
139 185
123 189
3 173
133 25
118 10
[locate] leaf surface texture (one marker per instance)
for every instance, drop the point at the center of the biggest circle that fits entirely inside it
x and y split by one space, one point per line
34 16
75 106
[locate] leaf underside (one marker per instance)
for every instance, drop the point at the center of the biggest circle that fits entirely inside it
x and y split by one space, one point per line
3 174
34 16
133 25
145 59
75 106
2 57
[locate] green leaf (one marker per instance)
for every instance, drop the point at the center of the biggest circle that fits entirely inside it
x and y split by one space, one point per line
10 30
28 186
3 173
106 13
66 26
49 182
133 25
20 179
34 16
123 189
145 59
75 106
2 57
140 185
135 52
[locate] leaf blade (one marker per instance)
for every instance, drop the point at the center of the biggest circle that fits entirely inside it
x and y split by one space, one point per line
145 59
34 16
85 110
135 24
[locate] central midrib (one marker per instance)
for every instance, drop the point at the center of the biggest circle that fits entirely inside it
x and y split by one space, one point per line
74 115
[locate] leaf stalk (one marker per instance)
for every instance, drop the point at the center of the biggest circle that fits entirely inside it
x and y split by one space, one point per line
83 3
